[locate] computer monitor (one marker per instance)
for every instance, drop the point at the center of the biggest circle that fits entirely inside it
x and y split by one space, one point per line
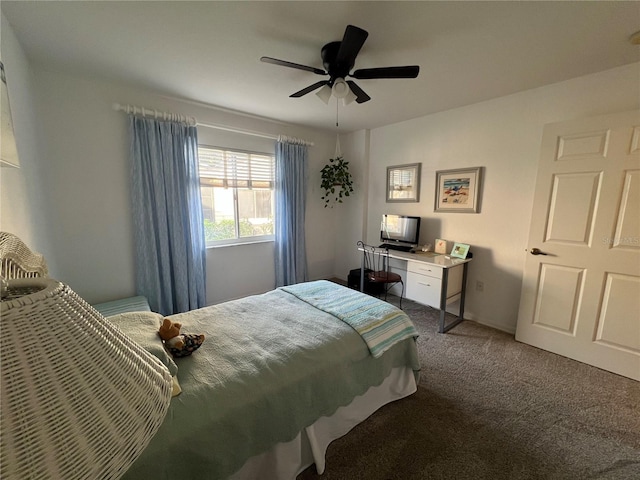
400 229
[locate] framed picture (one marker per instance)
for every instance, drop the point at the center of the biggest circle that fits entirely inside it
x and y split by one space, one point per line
460 250
403 183
442 246
8 149
458 190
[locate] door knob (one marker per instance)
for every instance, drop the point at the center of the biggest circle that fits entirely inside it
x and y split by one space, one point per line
537 251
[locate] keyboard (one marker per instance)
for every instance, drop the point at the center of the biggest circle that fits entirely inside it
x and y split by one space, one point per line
400 248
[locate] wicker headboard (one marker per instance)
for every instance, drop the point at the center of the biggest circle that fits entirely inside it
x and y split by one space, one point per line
18 261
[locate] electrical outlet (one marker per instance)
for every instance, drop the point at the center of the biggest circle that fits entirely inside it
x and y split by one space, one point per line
479 286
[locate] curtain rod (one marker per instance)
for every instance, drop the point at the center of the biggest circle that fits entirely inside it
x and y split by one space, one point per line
193 121
280 138
295 141
238 130
151 112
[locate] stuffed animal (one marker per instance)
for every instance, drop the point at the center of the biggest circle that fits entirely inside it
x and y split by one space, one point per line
179 345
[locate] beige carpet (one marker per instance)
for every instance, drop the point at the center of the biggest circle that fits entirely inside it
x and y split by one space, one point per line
488 407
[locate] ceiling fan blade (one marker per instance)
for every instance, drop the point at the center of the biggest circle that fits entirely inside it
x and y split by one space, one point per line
350 46
361 97
310 88
297 66
410 71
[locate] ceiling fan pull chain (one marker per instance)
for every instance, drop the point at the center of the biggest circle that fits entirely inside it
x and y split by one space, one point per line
337 103
338 152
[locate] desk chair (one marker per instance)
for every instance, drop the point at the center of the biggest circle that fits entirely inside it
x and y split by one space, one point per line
377 269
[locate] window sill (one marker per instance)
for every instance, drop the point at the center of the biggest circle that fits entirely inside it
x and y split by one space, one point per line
240 244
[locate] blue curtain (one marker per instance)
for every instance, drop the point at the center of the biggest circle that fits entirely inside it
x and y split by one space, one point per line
167 214
291 193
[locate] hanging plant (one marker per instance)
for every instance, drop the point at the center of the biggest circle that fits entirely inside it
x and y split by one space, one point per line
336 181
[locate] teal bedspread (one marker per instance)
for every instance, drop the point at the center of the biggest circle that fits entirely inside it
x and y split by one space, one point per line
271 365
380 324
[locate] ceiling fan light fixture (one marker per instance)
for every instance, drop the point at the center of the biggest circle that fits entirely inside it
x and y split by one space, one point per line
324 94
349 98
340 88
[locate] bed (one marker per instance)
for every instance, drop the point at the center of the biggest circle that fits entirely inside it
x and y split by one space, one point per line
279 376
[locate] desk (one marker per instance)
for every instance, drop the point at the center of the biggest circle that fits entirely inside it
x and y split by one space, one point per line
432 279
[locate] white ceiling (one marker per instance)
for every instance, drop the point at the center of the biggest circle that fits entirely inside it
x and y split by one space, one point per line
209 51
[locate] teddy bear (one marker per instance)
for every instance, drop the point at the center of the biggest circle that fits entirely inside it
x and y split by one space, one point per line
179 345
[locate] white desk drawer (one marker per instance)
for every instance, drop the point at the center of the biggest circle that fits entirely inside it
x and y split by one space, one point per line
424 289
424 269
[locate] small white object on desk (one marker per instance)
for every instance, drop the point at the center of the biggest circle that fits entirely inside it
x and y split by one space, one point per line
442 246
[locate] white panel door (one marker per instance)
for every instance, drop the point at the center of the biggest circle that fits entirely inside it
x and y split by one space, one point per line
581 287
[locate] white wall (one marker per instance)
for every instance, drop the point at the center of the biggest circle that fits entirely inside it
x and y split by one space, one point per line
502 135
351 216
88 187
22 209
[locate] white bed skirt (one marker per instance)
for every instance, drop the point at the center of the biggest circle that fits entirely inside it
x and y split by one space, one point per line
286 460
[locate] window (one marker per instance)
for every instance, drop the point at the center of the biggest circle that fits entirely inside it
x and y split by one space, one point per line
237 195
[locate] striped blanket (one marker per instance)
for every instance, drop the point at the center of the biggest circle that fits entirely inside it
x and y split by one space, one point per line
380 324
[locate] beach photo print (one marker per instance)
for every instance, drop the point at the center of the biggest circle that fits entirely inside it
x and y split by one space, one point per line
458 190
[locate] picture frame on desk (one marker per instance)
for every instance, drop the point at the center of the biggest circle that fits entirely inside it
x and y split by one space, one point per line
403 183
442 246
458 191
459 250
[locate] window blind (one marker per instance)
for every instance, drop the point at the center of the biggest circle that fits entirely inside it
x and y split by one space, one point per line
234 169
400 178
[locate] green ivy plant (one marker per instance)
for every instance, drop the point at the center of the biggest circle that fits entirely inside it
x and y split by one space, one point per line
336 181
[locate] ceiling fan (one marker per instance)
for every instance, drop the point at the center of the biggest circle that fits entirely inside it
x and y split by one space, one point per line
338 59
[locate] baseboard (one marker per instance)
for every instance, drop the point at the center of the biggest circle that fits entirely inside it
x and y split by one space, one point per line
502 328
